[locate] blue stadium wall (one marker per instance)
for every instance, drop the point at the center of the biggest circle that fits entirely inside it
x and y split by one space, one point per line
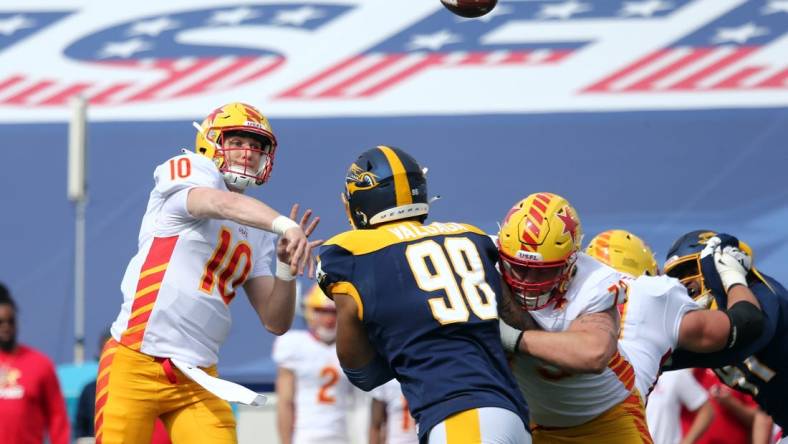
658 174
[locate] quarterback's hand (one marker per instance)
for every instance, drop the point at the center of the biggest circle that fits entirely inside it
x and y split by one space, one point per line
293 246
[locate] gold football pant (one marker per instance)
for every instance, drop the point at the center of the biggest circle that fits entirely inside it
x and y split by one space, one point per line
623 424
133 389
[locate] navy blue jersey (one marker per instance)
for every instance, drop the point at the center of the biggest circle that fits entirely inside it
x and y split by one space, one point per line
427 297
761 369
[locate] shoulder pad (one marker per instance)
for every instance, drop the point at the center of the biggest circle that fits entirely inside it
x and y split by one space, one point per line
185 171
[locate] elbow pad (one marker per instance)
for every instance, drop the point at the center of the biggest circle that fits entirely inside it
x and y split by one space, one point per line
746 324
376 373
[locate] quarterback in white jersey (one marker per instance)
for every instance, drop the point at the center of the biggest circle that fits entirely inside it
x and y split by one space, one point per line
390 411
659 315
200 239
313 395
579 386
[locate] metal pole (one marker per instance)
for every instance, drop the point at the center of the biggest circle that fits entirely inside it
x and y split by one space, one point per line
79 282
77 193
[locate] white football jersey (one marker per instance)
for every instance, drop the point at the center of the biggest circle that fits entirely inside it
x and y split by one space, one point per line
650 323
177 288
400 426
558 399
323 395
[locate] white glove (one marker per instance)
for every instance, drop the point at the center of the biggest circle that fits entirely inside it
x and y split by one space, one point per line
711 245
510 337
732 264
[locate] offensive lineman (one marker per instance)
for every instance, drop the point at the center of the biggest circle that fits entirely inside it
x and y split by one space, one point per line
562 303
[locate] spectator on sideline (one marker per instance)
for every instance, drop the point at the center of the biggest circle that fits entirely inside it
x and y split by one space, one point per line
737 418
673 390
84 427
31 402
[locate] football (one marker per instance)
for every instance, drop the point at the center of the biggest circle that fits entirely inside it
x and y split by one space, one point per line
470 8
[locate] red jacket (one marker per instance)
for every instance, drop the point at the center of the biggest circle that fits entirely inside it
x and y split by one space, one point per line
725 428
30 399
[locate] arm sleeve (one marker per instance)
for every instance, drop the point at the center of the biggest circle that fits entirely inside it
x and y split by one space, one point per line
54 407
690 392
677 304
771 312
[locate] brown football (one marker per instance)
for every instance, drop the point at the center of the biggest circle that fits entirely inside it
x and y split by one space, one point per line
469 8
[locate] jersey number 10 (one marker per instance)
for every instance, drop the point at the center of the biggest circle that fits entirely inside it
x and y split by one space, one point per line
463 260
241 256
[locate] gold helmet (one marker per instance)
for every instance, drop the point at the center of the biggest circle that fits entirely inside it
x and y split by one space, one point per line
538 244
315 301
623 251
245 120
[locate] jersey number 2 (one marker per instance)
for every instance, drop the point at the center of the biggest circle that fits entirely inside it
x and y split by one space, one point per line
438 274
332 377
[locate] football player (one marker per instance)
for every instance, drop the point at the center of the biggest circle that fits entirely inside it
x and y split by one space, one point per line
417 302
562 303
390 419
761 368
659 316
312 393
200 240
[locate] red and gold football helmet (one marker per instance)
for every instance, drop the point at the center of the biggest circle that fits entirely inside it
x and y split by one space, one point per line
245 120
623 251
538 245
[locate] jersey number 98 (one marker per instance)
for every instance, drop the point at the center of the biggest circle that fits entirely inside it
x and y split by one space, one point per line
457 257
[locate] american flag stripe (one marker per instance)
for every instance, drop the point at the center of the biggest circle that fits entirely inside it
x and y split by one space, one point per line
368 72
61 97
159 79
649 81
693 69
261 67
20 98
372 74
693 81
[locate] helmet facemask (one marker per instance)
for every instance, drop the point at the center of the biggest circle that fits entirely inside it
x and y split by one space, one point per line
688 271
241 174
536 284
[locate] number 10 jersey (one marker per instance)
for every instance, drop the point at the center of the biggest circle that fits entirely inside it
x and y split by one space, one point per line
177 288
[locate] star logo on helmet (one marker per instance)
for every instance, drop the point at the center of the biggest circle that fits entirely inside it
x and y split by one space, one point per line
213 114
570 225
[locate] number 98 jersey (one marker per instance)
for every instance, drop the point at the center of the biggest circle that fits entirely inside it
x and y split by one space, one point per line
427 297
177 288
